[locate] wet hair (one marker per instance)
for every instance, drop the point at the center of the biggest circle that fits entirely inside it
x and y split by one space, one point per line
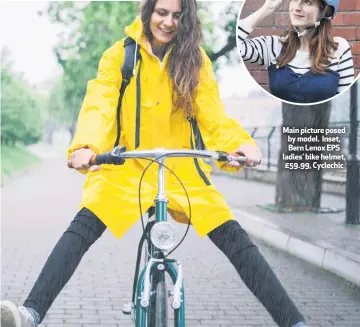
322 45
185 58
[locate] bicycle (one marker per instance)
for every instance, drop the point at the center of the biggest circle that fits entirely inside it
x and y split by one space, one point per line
150 296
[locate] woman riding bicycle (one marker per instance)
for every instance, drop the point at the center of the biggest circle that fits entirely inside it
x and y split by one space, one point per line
307 64
178 98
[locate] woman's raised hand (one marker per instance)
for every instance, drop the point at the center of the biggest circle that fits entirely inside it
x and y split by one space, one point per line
266 10
272 5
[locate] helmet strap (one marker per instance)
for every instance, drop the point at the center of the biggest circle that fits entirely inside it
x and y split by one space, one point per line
309 28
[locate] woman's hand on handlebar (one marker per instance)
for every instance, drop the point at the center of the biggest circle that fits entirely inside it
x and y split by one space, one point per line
80 159
252 154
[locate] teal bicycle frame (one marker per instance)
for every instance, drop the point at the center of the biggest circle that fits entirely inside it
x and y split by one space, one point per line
158 265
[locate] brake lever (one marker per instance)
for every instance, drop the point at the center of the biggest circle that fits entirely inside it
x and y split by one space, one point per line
224 157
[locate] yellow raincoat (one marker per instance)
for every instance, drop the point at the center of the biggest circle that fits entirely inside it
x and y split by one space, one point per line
112 192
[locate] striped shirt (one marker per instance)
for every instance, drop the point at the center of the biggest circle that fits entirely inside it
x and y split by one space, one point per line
264 50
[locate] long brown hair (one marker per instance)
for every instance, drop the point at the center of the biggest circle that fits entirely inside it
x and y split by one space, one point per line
185 58
322 44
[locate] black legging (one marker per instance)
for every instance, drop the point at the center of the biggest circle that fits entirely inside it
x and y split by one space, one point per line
230 238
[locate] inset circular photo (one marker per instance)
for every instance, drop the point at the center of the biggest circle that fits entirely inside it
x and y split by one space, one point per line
301 51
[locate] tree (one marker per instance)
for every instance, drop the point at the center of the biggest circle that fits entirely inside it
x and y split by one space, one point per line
300 189
89 29
211 43
22 108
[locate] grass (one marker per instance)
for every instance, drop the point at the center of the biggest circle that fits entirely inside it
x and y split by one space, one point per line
15 159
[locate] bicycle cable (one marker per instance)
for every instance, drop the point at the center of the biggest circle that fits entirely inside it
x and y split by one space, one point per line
186 193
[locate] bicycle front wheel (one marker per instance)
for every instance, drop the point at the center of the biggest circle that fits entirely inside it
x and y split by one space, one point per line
161 311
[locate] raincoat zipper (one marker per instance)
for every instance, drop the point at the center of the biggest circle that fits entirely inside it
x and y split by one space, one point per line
138 99
161 62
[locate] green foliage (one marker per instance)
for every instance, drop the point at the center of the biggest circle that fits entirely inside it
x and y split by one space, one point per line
219 29
57 105
21 110
92 27
16 158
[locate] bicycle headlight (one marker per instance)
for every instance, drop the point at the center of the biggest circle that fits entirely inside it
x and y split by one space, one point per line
163 235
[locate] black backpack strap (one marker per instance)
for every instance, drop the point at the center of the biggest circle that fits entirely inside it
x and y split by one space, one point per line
127 72
199 143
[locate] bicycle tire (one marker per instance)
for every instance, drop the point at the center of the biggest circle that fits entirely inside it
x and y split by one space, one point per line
161 309
151 312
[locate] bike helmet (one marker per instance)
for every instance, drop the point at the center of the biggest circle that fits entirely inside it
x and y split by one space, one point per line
334 4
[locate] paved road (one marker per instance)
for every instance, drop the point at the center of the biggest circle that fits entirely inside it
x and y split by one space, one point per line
36 209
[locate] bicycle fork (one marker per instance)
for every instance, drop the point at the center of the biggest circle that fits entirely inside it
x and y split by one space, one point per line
144 290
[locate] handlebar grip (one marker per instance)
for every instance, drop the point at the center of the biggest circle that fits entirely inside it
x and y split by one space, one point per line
104 158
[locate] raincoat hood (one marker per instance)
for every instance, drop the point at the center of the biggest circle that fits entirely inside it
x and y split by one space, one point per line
136 32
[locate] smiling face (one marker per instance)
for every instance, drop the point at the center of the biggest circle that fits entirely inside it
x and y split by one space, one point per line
164 21
304 13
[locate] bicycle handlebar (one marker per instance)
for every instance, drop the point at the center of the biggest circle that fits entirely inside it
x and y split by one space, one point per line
118 155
